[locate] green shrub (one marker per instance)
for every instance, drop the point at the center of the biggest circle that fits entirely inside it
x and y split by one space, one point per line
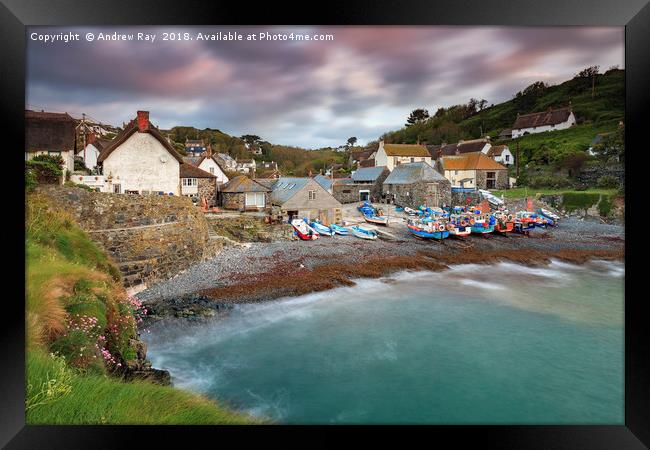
605 205
608 181
550 181
44 172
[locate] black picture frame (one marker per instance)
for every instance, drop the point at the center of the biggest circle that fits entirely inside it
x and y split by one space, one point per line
15 15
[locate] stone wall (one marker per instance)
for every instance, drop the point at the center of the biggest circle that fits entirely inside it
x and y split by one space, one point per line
501 179
248 228
421 193
349 193
236 201
207 188
465 198
150 238
590 175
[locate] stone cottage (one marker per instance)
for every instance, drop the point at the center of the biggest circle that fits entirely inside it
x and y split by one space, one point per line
305 198
141 160
392 155
364 184
198 183
243 194
416 184
473 170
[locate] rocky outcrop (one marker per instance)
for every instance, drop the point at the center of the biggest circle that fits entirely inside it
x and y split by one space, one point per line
139 368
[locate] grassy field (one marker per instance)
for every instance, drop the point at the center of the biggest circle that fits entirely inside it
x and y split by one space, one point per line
523 192
68 274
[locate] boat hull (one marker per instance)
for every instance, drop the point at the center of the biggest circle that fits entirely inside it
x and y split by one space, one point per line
457 233
482 230
437 235
362 235
509 227
377 220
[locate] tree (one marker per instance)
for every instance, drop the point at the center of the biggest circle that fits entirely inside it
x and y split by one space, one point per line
352 141
589 75
251 139
417 116
611 146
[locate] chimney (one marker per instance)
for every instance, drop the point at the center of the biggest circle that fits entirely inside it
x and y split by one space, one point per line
143 121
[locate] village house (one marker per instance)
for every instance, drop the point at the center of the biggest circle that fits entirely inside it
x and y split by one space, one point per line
140 160
49 133
325 181
415 184
357 157
538 122
305 198
364 184
198 183
94 146
473 170
195 146
505 134
501 154
246 166
244 194
208 163
392 155
227 162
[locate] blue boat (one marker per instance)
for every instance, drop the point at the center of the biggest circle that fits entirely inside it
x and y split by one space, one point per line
427 230
322 229
364 233
339 229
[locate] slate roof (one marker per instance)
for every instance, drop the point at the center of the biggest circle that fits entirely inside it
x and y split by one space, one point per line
368 173
406 150
538 119
242 183
325 182
496 150
49 131
471 161
190 171
131 129
194 160
412 173
367 163
286 187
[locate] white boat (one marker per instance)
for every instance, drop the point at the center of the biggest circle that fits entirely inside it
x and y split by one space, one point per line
364 233
303 230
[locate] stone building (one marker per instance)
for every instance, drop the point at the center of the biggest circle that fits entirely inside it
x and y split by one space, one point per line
305 198
473 170
365 184
243 194
198 183
416 184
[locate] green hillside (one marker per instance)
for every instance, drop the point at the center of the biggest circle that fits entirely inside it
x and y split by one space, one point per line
448 125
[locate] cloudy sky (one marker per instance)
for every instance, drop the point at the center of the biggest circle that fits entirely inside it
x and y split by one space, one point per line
312 94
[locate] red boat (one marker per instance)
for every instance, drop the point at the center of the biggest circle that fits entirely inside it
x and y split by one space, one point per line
303 230
505 224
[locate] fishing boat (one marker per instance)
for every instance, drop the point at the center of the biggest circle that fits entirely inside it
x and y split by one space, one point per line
524 222
504 223
482 224
303 230
321 229
363 233
548 214
427 230
410 211
372 214
339 229
459 227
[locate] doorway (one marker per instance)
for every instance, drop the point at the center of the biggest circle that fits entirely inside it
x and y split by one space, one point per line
364 195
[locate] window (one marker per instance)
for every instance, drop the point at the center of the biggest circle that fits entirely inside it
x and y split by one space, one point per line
396 160
507 158
255 199
190 182
117 188
413 159
423 159
455 172
312 195
212 170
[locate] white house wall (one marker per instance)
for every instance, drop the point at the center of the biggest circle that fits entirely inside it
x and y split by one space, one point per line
571 120
209 163
137 166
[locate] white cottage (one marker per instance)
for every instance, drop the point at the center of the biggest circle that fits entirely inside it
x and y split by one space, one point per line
210 164
141 160
538 122
501 154
49 133
392 155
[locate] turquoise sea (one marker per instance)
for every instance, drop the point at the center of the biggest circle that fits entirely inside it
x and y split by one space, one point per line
477 344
